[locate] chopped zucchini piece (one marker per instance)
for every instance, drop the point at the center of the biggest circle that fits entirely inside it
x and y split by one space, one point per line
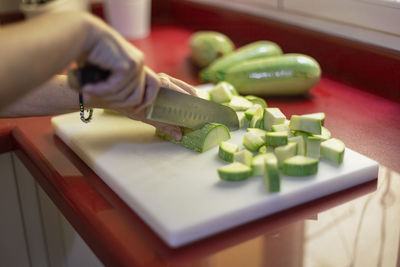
256 122
243 121
300 166
234 172
276 138
257 100
258 131
325 134
240 103
265 149
318 115
333 149
243 156
204 94
273 116
284 127
272 177
301 146
258 163
227 151
252 141
304 135
284 152
220 93
255 110
305 124
229 86
313 147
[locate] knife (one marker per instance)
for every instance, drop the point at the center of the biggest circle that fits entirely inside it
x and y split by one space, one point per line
169 106
189 111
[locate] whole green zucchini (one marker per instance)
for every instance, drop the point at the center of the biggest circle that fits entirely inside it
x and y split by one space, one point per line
259 49
207 46
289 74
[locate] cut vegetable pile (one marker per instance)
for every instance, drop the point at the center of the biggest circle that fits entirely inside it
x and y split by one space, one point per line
272 145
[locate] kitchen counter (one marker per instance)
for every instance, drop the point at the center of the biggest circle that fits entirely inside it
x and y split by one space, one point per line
360 224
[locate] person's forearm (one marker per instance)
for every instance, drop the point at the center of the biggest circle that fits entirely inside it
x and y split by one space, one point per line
53 97
32 51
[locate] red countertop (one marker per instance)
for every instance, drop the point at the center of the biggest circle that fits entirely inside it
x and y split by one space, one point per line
367 122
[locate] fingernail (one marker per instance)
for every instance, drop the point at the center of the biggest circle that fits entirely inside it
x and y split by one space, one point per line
177 134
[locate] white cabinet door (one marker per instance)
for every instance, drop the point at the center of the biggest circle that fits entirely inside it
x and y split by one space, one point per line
13 246
51 239
32 219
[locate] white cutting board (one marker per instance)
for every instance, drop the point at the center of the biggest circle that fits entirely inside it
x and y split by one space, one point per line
177 191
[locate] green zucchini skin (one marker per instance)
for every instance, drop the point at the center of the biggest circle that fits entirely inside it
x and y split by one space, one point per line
259 49
195 139
289 74
207 46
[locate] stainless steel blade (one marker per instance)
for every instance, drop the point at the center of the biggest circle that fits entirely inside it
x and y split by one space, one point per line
189 111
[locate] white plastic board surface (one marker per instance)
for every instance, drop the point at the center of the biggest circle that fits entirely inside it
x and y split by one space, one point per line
177 191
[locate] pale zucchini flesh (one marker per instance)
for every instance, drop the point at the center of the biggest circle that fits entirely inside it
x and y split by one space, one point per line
333 149
273 116
255 110
306 124
243 121
301 146
252 141
313 147
243 156
220 93
258 163
240 103
284 152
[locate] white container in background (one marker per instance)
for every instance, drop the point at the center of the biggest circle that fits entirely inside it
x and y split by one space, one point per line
33 10
131 18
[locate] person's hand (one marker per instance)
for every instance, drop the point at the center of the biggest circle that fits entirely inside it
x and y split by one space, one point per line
169 82
130 84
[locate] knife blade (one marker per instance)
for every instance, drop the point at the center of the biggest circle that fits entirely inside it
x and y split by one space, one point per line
189 111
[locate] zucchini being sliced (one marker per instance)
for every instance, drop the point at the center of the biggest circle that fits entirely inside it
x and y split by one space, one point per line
211 135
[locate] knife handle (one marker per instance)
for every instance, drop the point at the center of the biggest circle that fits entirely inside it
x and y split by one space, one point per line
87 74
